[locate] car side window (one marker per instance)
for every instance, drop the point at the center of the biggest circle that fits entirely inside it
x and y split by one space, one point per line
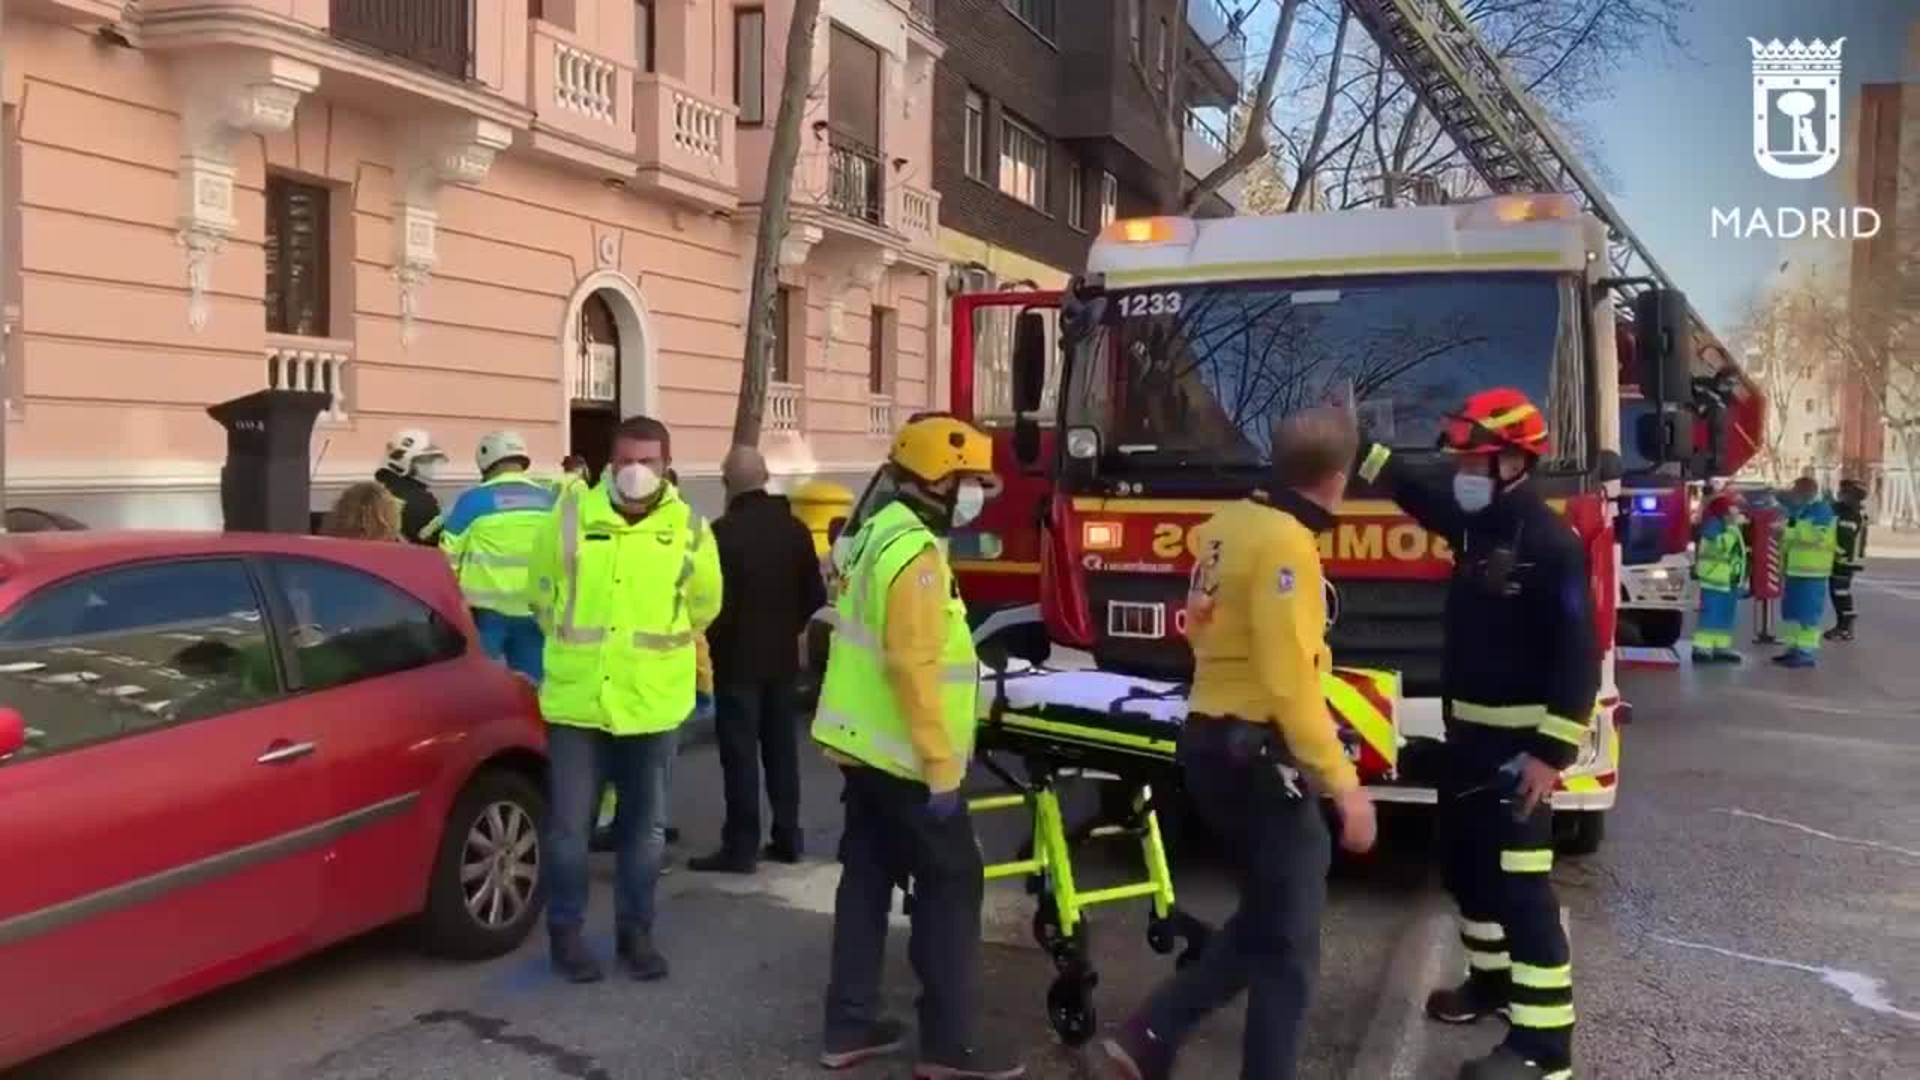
349 625
121 651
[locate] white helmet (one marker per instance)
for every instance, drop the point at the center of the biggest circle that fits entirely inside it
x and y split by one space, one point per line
498 446
409 447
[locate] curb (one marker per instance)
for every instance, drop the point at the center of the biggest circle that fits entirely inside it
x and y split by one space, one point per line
1395 1040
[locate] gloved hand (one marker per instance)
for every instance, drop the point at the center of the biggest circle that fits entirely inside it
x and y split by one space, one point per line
942 805
702 706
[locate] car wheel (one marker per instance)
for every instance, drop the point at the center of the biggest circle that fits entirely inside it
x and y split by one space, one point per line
486 891
1579 832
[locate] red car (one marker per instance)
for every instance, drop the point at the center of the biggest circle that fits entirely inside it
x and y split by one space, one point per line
222 752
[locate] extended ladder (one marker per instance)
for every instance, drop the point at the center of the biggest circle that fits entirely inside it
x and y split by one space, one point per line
1502 134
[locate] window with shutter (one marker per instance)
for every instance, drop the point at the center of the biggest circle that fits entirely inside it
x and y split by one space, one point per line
299 272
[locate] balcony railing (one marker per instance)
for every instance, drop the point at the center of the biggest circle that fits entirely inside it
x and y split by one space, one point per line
584 83
879 415
854 180
783 407
919 213
316 365
436 34
685 135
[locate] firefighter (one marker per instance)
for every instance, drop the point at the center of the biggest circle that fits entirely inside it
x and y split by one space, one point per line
1520 680
487 537
1850 536
1257 746
1807 547
1720 565
412 464
897 714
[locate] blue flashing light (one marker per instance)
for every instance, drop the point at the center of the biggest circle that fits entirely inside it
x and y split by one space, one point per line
1646 504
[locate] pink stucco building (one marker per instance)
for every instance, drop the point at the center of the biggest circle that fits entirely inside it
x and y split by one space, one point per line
454 214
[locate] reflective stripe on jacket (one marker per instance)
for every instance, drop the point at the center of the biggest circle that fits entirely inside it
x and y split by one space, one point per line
1720 558
899 713
1810 540
622 604
488 537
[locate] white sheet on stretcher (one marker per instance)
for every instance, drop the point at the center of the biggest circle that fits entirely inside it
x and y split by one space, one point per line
1094 691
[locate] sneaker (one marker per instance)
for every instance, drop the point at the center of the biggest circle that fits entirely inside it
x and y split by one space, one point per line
1799 658
572 960
637 954
1839 633
1784 659
1464 1004
881 1038
723 862
1133 1053
967 1065
1506 1063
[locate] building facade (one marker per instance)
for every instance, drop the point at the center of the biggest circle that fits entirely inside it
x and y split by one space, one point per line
459 215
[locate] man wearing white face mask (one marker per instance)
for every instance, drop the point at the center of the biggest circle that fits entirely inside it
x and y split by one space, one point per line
897 712
1520 676
623 579
412 464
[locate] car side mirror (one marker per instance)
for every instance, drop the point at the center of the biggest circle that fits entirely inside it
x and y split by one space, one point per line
1029 362
1663 346
13 732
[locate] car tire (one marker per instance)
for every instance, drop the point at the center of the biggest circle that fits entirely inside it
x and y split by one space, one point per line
500 819
1577 833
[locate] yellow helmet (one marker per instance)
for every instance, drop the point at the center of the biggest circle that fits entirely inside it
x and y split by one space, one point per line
935 446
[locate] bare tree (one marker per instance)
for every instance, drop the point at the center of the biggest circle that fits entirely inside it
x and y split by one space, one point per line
772 230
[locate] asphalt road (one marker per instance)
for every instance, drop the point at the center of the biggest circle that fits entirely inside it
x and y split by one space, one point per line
1755 913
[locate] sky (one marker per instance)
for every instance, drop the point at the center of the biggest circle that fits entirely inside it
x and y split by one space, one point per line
1675 137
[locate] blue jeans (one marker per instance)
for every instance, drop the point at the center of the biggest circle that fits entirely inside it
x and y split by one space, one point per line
579 761
514 640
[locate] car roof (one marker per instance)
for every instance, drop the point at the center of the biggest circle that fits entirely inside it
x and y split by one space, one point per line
421 570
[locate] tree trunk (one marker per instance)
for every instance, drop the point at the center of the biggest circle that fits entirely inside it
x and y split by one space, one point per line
1254 146
772 231
1310 161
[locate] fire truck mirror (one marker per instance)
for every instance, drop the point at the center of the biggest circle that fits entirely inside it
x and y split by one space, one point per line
1610 466
1026 441
1664 437
1029 362
1663 346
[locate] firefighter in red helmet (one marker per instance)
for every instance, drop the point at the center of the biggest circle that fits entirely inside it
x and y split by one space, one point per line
1520 679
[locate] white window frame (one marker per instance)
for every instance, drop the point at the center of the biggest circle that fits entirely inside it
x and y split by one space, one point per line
1025 181
974 135
1109 198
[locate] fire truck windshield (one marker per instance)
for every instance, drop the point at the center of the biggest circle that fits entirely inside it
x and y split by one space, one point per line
1195 374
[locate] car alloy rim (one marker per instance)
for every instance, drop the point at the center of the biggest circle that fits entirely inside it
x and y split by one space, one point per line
500 865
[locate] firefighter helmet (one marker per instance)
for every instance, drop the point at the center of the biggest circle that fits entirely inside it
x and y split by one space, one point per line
410 446
1495 420
1723 504
499 446
935 446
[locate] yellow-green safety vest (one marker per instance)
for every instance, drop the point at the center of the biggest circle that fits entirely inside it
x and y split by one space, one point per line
1809 544
488 536
620 604
1720 559
859 716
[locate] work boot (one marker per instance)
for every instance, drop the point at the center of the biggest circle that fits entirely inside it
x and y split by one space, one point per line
1506 1063
783 849
1134 1053
1465 1004
843 1050
724 862
637 954
1799 658
1727 656
966 1065
1704 656
571 958
1839 633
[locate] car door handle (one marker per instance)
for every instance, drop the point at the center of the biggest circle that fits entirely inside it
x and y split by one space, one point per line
279 753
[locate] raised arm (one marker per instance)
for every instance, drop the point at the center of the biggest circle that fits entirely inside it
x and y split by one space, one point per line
1428 503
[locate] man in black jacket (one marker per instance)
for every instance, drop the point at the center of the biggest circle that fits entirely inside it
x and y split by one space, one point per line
1520 681
411 465
1850 532
773 586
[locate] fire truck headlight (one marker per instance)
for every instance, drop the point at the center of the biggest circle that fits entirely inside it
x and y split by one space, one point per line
1083 443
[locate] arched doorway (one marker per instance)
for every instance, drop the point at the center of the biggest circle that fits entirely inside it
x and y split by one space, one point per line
607 350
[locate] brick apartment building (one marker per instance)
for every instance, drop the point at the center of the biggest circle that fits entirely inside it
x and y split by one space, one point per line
1046 125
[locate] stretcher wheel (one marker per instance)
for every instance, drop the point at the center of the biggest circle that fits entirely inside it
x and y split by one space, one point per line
1070 1009
1046 927
1161 937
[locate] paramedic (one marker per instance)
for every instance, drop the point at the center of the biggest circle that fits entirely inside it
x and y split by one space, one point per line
897 714
623 577
1807 548
1720 564
412 463
1520 679
1850 536
487 537
1257 747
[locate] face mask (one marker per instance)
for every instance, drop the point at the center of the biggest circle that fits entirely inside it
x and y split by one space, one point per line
1473 493
636 483
968 500
427 471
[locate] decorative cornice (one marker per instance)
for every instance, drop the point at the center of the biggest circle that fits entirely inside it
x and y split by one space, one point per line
454 151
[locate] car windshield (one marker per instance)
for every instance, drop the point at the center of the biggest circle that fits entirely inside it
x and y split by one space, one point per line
1195 375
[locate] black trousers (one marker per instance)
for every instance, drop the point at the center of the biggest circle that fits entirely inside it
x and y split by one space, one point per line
1270 947
1840 587
755 725
890 841
1497 868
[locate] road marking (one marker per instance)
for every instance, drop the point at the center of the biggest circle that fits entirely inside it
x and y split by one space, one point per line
1865 991
1821 833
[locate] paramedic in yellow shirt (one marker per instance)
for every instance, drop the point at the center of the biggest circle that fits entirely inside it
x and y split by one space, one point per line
1257 746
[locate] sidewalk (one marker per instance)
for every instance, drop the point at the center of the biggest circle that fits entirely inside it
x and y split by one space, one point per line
1892 544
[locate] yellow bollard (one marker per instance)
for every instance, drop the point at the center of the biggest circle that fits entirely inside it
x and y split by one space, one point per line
816 503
